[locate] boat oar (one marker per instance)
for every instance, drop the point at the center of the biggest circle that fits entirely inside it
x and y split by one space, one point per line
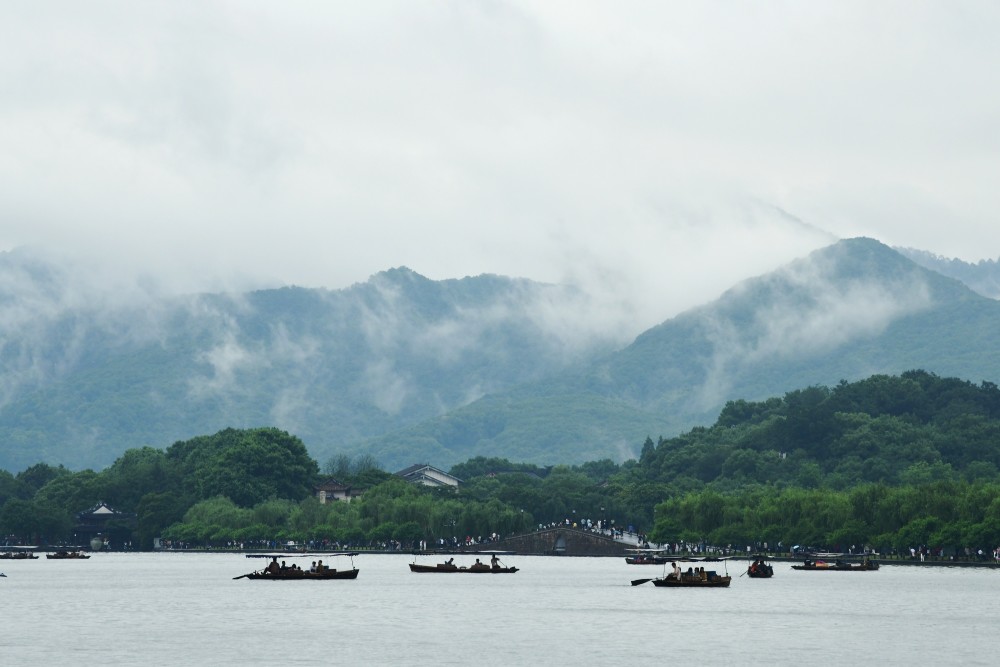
240 577
639 582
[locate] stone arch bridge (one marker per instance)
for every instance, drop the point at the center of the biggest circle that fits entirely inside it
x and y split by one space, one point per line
558 541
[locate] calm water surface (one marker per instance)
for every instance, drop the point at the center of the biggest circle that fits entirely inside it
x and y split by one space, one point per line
139 609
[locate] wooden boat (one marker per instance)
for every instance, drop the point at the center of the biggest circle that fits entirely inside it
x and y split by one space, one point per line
644 559
691 578
760 569
476 567
298 575
648 557
865 565
440 567
318 572
703 579
59 555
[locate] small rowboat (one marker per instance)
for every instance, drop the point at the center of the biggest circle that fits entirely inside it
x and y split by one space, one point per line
760 569
60 555
711 580
692 578
319 572
837 566
301 575
495 568
444 567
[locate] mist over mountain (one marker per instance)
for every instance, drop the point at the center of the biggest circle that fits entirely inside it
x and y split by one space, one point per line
844 312
84 376
410 369
982 276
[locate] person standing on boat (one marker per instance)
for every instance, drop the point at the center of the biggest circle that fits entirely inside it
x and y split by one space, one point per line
677 571
495 562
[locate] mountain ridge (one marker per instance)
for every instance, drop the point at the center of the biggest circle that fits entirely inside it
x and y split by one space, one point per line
791 328
411 369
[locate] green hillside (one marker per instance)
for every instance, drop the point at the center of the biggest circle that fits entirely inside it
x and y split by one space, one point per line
845 312
414 370
335 367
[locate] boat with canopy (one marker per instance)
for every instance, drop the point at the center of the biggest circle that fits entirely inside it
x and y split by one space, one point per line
695 576
318 571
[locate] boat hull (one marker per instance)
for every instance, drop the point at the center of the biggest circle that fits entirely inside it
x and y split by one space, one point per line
837 568
304 575
451 569
691 582
640 560
67 556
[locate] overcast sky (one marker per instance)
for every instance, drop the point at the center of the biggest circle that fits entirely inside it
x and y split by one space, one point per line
663 149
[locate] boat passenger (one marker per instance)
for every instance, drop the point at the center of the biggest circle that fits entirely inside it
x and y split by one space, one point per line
320 567
273 566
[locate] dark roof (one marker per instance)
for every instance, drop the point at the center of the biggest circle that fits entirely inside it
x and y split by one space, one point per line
414 468
332 485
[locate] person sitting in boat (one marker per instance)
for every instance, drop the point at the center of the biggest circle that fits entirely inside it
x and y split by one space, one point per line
320 567
273 566
690 573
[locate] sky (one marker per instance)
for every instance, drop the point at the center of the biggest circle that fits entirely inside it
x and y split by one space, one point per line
653 152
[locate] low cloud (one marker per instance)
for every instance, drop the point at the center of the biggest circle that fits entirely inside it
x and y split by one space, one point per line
812 313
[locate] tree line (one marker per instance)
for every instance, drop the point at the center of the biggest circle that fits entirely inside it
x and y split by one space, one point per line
889 461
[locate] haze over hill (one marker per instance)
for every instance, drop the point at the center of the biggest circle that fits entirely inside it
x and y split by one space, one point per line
411 369
844 312
81 380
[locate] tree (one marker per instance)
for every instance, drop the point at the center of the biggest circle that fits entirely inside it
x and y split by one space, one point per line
246 466
155 511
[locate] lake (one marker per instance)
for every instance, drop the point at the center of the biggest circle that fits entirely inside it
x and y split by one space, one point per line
185 608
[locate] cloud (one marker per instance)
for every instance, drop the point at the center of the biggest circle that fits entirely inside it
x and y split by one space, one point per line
812 313
652 153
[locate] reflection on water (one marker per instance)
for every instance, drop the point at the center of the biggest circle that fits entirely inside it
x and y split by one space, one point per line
133 609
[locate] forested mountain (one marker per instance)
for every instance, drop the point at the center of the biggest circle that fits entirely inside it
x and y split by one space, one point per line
409 369
82 379
982 276
890 461
845 312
